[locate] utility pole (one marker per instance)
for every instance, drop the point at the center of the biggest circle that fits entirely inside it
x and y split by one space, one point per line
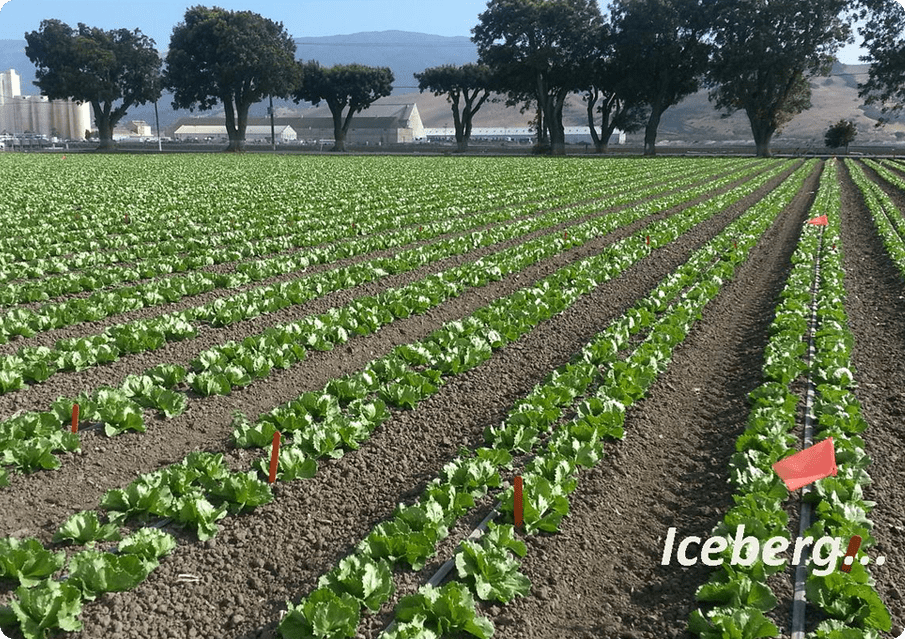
157 119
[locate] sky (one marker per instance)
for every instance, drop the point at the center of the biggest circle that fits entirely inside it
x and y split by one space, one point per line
301 18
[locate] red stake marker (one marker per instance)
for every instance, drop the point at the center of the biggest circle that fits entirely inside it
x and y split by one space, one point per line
75 418
274 457
518 503
849 558
648 240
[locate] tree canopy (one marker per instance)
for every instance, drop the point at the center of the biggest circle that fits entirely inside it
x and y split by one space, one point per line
234 58
610 94
466 88
766 52
352 86
539 49
111 70
660 50
883 36
840 134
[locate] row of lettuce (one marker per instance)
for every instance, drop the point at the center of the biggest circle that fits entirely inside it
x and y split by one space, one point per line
738 595
35 364
200 490
75 220
29 281
562 425
29 440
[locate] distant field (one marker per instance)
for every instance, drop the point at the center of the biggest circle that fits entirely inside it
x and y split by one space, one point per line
638 340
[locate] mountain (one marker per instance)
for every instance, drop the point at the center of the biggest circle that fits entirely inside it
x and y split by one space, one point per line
404 52
694 120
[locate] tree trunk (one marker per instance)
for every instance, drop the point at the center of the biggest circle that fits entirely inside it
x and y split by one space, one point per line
650 131
105 133
468 113
339 131
104 125
557 130
461 141
235 130
592 102
763 134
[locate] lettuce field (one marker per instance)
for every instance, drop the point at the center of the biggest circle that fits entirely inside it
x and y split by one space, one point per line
423 397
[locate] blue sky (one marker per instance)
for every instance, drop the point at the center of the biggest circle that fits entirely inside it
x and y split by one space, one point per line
300 17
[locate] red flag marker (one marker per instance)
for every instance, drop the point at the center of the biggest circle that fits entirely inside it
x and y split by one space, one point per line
518 503
819 221
853 545
808 465
274 457
565 236
648 240
75 418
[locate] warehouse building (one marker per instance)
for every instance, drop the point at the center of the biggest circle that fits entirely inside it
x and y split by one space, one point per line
215 131
381 123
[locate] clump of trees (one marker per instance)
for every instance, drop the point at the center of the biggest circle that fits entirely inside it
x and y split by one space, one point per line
233 58
466 88
346 88
110 70
841 134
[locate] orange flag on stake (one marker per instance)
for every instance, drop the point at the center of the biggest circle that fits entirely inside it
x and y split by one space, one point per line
808 466
819 221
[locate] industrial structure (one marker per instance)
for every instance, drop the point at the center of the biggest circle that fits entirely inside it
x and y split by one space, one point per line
380 124
37 115
214 130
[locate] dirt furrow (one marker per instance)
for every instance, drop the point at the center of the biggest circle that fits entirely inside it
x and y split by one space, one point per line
602 576
277 553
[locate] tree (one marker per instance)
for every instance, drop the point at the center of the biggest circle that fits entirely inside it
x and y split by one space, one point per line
765 54
235 58
345 85
469 83
539 50
842 133
608 93
660 45
111 70
883 34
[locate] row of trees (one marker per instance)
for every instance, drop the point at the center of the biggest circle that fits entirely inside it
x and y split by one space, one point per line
233 58
645 56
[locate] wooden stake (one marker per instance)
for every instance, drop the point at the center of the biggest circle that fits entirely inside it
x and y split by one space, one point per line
274 457
75 418
518 504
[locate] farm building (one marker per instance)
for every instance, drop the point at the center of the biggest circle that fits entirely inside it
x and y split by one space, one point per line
382 123
216 131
